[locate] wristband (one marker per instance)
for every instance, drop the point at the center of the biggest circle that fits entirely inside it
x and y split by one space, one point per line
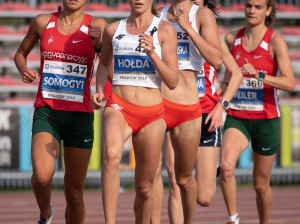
98 48
226 83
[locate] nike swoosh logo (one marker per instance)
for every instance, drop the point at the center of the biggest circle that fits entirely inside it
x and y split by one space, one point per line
87 140
265 149
206 141
76 41
255 57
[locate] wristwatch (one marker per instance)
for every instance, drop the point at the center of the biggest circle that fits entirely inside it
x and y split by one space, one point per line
224 103
261 76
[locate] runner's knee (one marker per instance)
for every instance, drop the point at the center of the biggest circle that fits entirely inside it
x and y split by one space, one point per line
261 187
184 182
204 198
41 179
74 196
227 169
112 158
144 190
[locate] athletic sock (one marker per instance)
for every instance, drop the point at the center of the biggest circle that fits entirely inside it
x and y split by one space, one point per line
233 217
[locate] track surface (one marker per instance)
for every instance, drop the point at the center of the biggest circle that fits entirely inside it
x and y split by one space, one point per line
21 208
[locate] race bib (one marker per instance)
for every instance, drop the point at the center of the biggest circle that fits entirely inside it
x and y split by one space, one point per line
201 82
249 96
183 50
63 80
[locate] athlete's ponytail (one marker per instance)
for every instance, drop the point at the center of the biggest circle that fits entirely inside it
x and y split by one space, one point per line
212 5
153 10
271 18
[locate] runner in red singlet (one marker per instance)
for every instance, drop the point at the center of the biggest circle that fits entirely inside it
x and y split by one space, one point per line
70 41
262 55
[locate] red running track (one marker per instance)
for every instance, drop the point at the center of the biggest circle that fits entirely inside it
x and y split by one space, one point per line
21 208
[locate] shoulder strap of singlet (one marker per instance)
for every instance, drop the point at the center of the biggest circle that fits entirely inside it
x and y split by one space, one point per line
163 14
265 44
238 37
194 8
240 33
88 19
53 19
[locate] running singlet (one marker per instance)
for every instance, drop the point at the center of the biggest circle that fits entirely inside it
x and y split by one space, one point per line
67 63
206 88
131 64
189 57
254 99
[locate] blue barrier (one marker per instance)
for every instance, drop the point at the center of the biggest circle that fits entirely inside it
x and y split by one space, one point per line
25 138
245 160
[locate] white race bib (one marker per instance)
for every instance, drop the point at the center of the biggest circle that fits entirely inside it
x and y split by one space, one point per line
63 80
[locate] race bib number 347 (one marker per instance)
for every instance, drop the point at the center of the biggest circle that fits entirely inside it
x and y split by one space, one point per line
63 80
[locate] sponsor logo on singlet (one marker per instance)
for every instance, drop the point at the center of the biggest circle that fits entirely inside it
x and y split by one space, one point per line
120 36
153 31
118 48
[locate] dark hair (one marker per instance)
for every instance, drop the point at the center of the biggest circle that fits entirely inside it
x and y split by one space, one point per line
153 10
271 18
59 8
212 5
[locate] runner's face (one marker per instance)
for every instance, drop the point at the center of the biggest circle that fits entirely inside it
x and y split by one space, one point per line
140 6
256 11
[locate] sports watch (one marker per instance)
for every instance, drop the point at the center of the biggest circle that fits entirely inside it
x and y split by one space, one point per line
224 103
261 76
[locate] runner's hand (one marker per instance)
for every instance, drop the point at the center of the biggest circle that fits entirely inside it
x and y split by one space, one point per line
29 76
95 34
249 69
146 42
97 101
216 116
182 17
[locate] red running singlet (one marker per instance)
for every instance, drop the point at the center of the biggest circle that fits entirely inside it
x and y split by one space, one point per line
254 99
67 63
206 88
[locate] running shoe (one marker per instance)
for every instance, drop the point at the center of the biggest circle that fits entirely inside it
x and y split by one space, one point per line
237 221
234 222
47 221
218 169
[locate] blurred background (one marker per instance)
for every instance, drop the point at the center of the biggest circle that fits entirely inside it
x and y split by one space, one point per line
16 98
